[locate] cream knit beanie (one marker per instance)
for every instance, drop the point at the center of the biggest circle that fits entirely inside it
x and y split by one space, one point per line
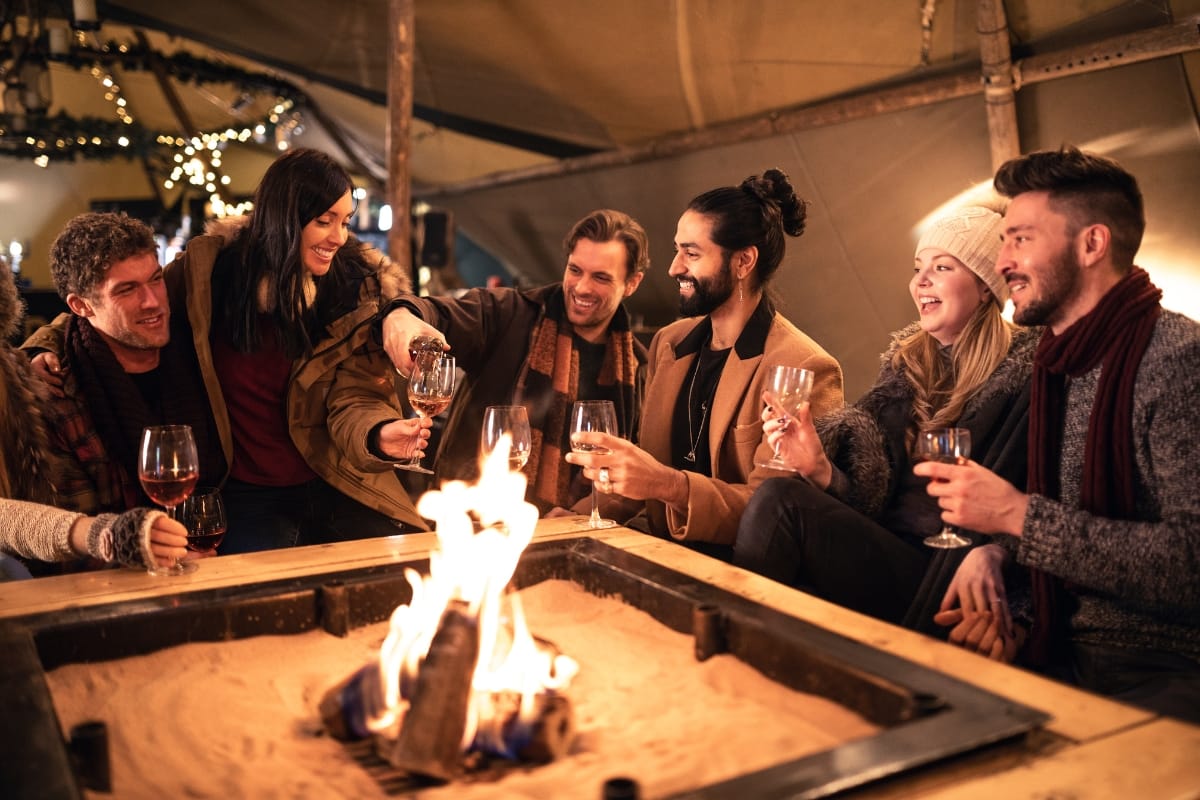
972 235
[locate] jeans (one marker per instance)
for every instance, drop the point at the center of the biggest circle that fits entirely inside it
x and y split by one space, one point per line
270 517
797 534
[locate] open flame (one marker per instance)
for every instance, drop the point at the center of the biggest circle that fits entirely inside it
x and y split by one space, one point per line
514 673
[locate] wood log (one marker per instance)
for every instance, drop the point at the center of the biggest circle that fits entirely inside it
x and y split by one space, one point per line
345 707
549 735
431 738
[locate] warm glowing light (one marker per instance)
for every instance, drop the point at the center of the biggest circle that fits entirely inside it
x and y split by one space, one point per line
473 567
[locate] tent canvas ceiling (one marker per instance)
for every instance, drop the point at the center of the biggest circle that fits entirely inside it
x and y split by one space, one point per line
502 86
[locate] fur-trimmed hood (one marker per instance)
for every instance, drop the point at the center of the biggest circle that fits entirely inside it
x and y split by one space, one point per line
12 307
393 279
27 466
865 440
1009 377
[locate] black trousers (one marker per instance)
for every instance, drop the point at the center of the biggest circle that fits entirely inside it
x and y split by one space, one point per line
799 535
1168 683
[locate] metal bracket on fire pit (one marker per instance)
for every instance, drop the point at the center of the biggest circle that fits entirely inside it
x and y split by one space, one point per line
926 716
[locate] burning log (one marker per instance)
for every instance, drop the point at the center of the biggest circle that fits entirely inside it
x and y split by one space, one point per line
431 738
346 708
537 738
451 677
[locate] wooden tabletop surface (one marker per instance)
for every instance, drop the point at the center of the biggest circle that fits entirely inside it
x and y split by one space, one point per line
1091 747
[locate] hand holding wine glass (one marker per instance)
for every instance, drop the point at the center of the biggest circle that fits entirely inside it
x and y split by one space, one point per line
948 446
430 388
789 388
510 420
168 467
203 514
598 416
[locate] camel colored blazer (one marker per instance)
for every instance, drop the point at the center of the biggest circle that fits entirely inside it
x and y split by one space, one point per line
735 435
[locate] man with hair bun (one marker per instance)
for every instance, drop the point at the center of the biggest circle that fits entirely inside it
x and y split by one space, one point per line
690 476
1108 523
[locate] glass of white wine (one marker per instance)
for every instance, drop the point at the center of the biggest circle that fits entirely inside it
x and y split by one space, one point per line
949 446
789 388
511 420
430 388
599 416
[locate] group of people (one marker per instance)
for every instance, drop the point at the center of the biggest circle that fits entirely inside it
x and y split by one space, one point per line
277 338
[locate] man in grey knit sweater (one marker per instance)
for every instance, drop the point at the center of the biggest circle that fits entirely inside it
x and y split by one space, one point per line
1110 526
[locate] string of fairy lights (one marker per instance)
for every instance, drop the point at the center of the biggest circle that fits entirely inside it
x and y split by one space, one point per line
192 160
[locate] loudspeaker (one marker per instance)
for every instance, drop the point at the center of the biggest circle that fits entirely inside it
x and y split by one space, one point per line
437 238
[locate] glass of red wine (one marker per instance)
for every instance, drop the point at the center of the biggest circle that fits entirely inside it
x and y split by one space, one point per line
949 446
430 388
169 467
203 514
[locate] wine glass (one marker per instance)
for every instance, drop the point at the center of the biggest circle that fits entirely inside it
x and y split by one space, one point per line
203 514
790 388
599 416
949 446
168 467
511 420
430 387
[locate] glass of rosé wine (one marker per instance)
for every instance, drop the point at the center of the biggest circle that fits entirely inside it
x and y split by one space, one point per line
169 467
430 388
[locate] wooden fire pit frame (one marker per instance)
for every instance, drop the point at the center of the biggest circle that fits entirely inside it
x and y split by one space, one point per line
927 716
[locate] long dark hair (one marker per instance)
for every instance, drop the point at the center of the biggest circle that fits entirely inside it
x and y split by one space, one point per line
300 186
756 213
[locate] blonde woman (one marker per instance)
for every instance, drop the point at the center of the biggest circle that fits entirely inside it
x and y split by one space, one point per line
851 530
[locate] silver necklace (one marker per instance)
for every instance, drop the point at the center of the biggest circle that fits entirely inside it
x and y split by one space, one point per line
695 435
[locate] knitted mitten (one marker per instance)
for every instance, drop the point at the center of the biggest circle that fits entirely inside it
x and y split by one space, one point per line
124 538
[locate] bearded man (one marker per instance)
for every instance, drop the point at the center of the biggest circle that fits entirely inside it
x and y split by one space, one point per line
541 348
1109 524
690 478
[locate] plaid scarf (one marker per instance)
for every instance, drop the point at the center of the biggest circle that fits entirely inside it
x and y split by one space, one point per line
119 411
549 385
1114 335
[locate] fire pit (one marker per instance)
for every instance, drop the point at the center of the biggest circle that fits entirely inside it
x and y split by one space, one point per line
925 716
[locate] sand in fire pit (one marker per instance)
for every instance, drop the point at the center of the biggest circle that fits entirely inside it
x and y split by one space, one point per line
239 719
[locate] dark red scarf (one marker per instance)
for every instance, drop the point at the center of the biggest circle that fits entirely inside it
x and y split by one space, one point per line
1115 335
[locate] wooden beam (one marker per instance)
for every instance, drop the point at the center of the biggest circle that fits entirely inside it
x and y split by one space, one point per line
1117 51
999 95
1166 40
401 24
186 125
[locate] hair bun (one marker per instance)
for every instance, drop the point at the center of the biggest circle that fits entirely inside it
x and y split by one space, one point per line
774 188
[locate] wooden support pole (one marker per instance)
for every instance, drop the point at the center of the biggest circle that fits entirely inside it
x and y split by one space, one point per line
401 20
999 95
1166 40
